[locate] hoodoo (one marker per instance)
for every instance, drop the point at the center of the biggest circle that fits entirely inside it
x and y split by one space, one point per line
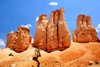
19 40
85 32
63 32
12 37
40 34
53 34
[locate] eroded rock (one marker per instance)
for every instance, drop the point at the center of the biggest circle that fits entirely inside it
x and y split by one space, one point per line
11 39
23 39
40 34
52 31
53 34
19 40
85 31
63 32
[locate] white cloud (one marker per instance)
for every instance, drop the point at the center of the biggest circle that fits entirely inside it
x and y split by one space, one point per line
37 18
53 3
2 43
98 28
28 25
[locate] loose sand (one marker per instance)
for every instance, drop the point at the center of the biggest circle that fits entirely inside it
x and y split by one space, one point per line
77 55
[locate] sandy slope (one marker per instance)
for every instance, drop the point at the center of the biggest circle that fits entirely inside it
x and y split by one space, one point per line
78 55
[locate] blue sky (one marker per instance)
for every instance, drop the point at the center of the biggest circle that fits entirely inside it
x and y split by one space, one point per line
14 13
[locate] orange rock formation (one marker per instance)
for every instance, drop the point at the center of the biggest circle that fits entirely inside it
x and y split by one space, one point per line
63 32
11 39
40 34
19 40
53 34
85 31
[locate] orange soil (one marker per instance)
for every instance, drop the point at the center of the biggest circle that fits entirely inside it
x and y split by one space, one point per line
77 55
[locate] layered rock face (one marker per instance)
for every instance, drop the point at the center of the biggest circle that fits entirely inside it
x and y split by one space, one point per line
85 31
53 34
19 40
40 34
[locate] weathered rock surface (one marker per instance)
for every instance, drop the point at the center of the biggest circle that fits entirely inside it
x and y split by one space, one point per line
63 32
85 31
11 39
19 40
40 34
53 34
23 39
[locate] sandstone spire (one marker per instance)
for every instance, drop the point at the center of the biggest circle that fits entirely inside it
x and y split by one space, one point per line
40 34
85 31
52 36
63 32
